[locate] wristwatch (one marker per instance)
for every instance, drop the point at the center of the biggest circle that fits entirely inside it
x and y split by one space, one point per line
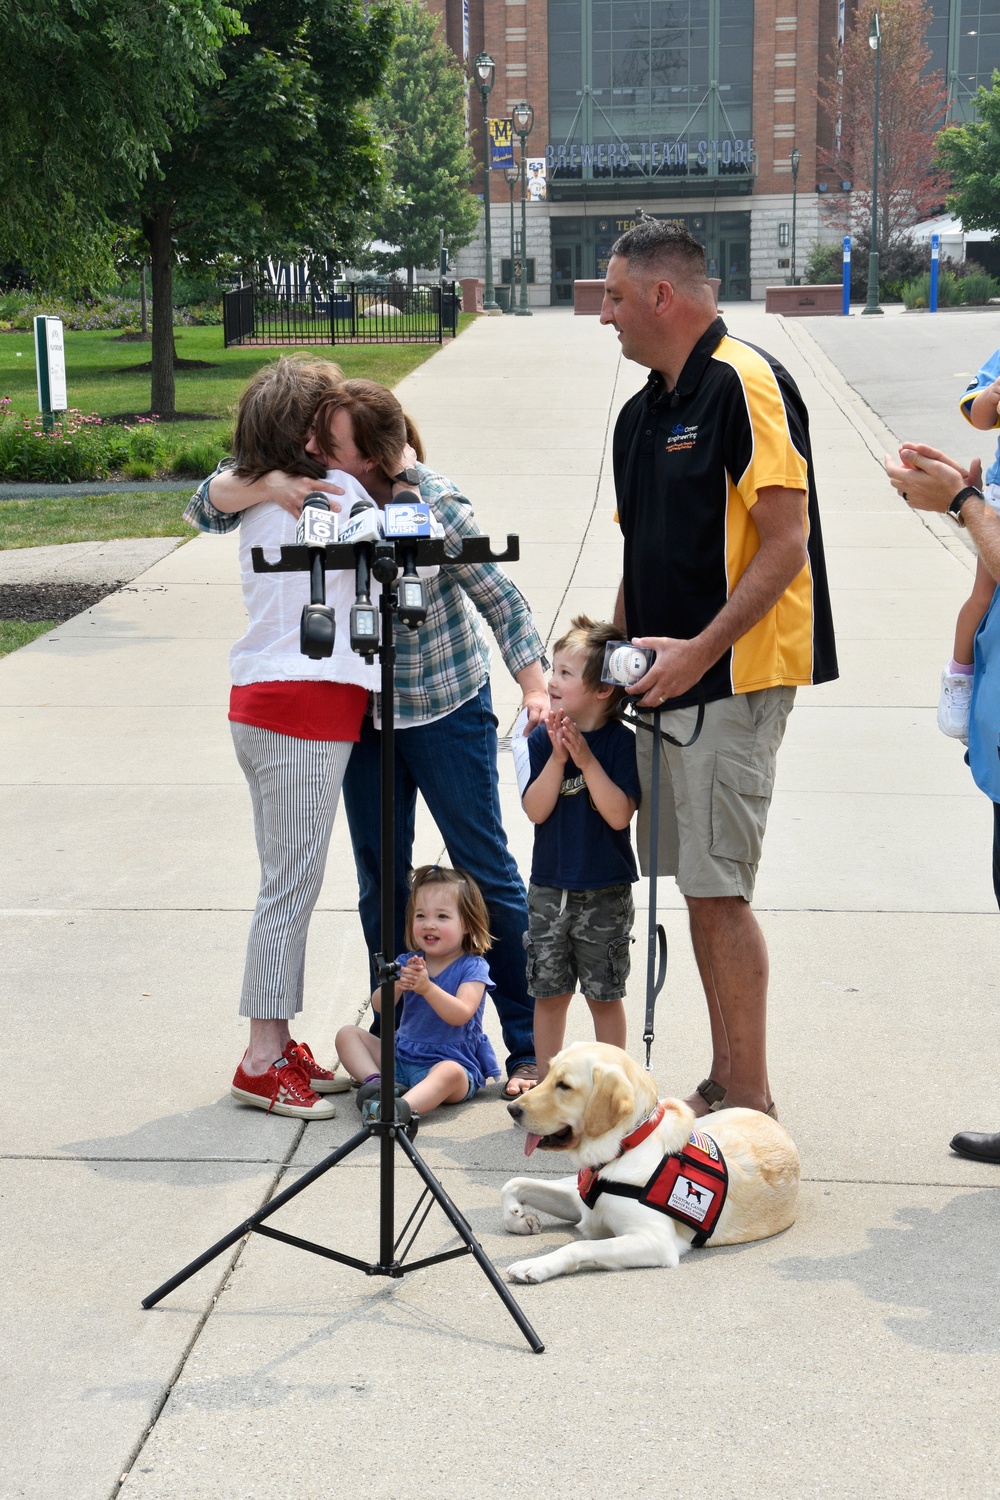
955 508
406 476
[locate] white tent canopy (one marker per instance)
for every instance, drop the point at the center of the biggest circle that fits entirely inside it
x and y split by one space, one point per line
953 238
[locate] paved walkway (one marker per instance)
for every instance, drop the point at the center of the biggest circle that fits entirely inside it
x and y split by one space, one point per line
85 562
855 1355
16 489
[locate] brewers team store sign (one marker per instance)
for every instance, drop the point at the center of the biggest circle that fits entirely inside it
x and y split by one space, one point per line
678 157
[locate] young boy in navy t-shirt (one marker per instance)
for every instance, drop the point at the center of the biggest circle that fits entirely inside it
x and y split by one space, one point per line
581 792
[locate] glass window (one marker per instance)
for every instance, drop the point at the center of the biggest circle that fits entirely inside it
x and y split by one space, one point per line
964 40
979 43
633 79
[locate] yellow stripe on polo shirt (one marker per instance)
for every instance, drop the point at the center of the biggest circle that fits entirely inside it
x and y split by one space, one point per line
778 650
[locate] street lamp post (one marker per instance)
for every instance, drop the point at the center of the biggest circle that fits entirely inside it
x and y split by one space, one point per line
485 70
871 306
523 117
512 174
795 158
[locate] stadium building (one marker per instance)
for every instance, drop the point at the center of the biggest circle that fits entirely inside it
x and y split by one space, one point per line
686 109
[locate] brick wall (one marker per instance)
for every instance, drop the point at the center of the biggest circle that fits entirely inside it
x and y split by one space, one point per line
472 260
786 64
793 40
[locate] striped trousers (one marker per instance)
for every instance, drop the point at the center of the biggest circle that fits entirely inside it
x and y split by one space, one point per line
294 787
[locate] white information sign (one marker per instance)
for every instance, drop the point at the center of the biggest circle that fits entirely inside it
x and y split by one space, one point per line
50 364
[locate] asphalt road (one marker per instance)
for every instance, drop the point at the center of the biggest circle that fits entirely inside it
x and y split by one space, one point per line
912 368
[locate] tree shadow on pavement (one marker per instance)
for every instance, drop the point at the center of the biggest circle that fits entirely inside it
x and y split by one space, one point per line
199 1139
938 1267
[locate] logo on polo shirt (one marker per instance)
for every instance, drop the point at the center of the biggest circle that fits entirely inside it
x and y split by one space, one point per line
681 437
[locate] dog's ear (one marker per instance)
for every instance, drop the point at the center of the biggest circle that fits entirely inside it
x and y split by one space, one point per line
611 1102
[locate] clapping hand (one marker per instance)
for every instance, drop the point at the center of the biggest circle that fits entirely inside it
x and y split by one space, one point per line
414 975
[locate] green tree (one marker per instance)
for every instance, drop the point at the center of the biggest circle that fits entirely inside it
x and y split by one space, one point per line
284 158
423 113
90 91
912 104
971 154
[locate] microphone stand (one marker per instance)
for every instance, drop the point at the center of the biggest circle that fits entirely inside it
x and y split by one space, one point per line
390 1129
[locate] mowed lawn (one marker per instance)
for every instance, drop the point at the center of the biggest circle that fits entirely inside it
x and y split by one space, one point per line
101 377
101 373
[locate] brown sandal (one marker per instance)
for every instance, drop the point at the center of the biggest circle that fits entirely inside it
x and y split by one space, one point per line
713 1093
772 1109
526 1071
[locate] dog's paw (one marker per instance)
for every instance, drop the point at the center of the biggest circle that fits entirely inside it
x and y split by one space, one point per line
517 1220
526 1271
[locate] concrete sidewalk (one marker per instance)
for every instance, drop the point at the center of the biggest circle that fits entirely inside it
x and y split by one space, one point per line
854 1355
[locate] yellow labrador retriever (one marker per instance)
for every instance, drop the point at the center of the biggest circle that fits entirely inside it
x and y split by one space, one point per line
652 1179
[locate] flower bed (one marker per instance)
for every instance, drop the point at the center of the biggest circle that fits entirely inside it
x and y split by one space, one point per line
107 313
77 447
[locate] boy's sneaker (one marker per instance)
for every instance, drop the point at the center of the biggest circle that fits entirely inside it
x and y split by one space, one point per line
320 1080
282 1090
953 705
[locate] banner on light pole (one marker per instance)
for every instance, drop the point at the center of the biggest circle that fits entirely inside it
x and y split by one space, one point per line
501 145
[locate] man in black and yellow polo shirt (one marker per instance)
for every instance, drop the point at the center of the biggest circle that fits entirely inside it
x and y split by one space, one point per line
724 577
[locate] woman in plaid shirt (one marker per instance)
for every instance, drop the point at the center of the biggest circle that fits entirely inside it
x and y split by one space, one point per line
446 743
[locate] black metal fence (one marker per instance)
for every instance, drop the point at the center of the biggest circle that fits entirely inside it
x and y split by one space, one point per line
346 312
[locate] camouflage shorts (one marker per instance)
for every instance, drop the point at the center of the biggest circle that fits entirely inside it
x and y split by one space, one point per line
579 936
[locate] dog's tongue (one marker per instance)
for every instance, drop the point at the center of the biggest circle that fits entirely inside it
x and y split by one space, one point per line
530 1142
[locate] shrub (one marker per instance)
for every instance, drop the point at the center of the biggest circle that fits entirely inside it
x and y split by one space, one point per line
917 293
197 458
206 314
824 265
978 288
145 445
110 312
76 448
899 264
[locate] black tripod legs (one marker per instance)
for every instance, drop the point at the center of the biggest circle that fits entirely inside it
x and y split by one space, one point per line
464 1231
257 1219
391 1135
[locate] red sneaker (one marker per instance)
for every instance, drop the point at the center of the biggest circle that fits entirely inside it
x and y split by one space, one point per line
282 1090
320 1080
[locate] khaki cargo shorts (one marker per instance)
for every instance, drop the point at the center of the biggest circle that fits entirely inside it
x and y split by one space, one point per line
714 795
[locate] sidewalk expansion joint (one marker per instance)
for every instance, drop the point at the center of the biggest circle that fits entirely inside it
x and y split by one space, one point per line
210 1307
985 1187
194 1161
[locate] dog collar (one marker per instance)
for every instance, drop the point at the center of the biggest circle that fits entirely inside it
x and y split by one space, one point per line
639 1134
587 1175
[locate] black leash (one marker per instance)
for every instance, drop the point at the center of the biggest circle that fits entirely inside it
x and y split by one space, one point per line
656 937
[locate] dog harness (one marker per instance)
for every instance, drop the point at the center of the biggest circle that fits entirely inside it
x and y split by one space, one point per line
690 1185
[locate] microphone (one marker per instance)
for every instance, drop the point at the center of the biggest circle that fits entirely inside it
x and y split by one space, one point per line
409 517
362 531
316 527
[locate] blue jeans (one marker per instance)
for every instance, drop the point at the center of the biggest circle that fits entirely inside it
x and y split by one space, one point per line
453 764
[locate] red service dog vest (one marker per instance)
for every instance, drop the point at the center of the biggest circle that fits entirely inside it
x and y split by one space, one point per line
689 1186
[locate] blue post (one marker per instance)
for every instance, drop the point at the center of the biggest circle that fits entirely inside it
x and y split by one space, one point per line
935 253
846 308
